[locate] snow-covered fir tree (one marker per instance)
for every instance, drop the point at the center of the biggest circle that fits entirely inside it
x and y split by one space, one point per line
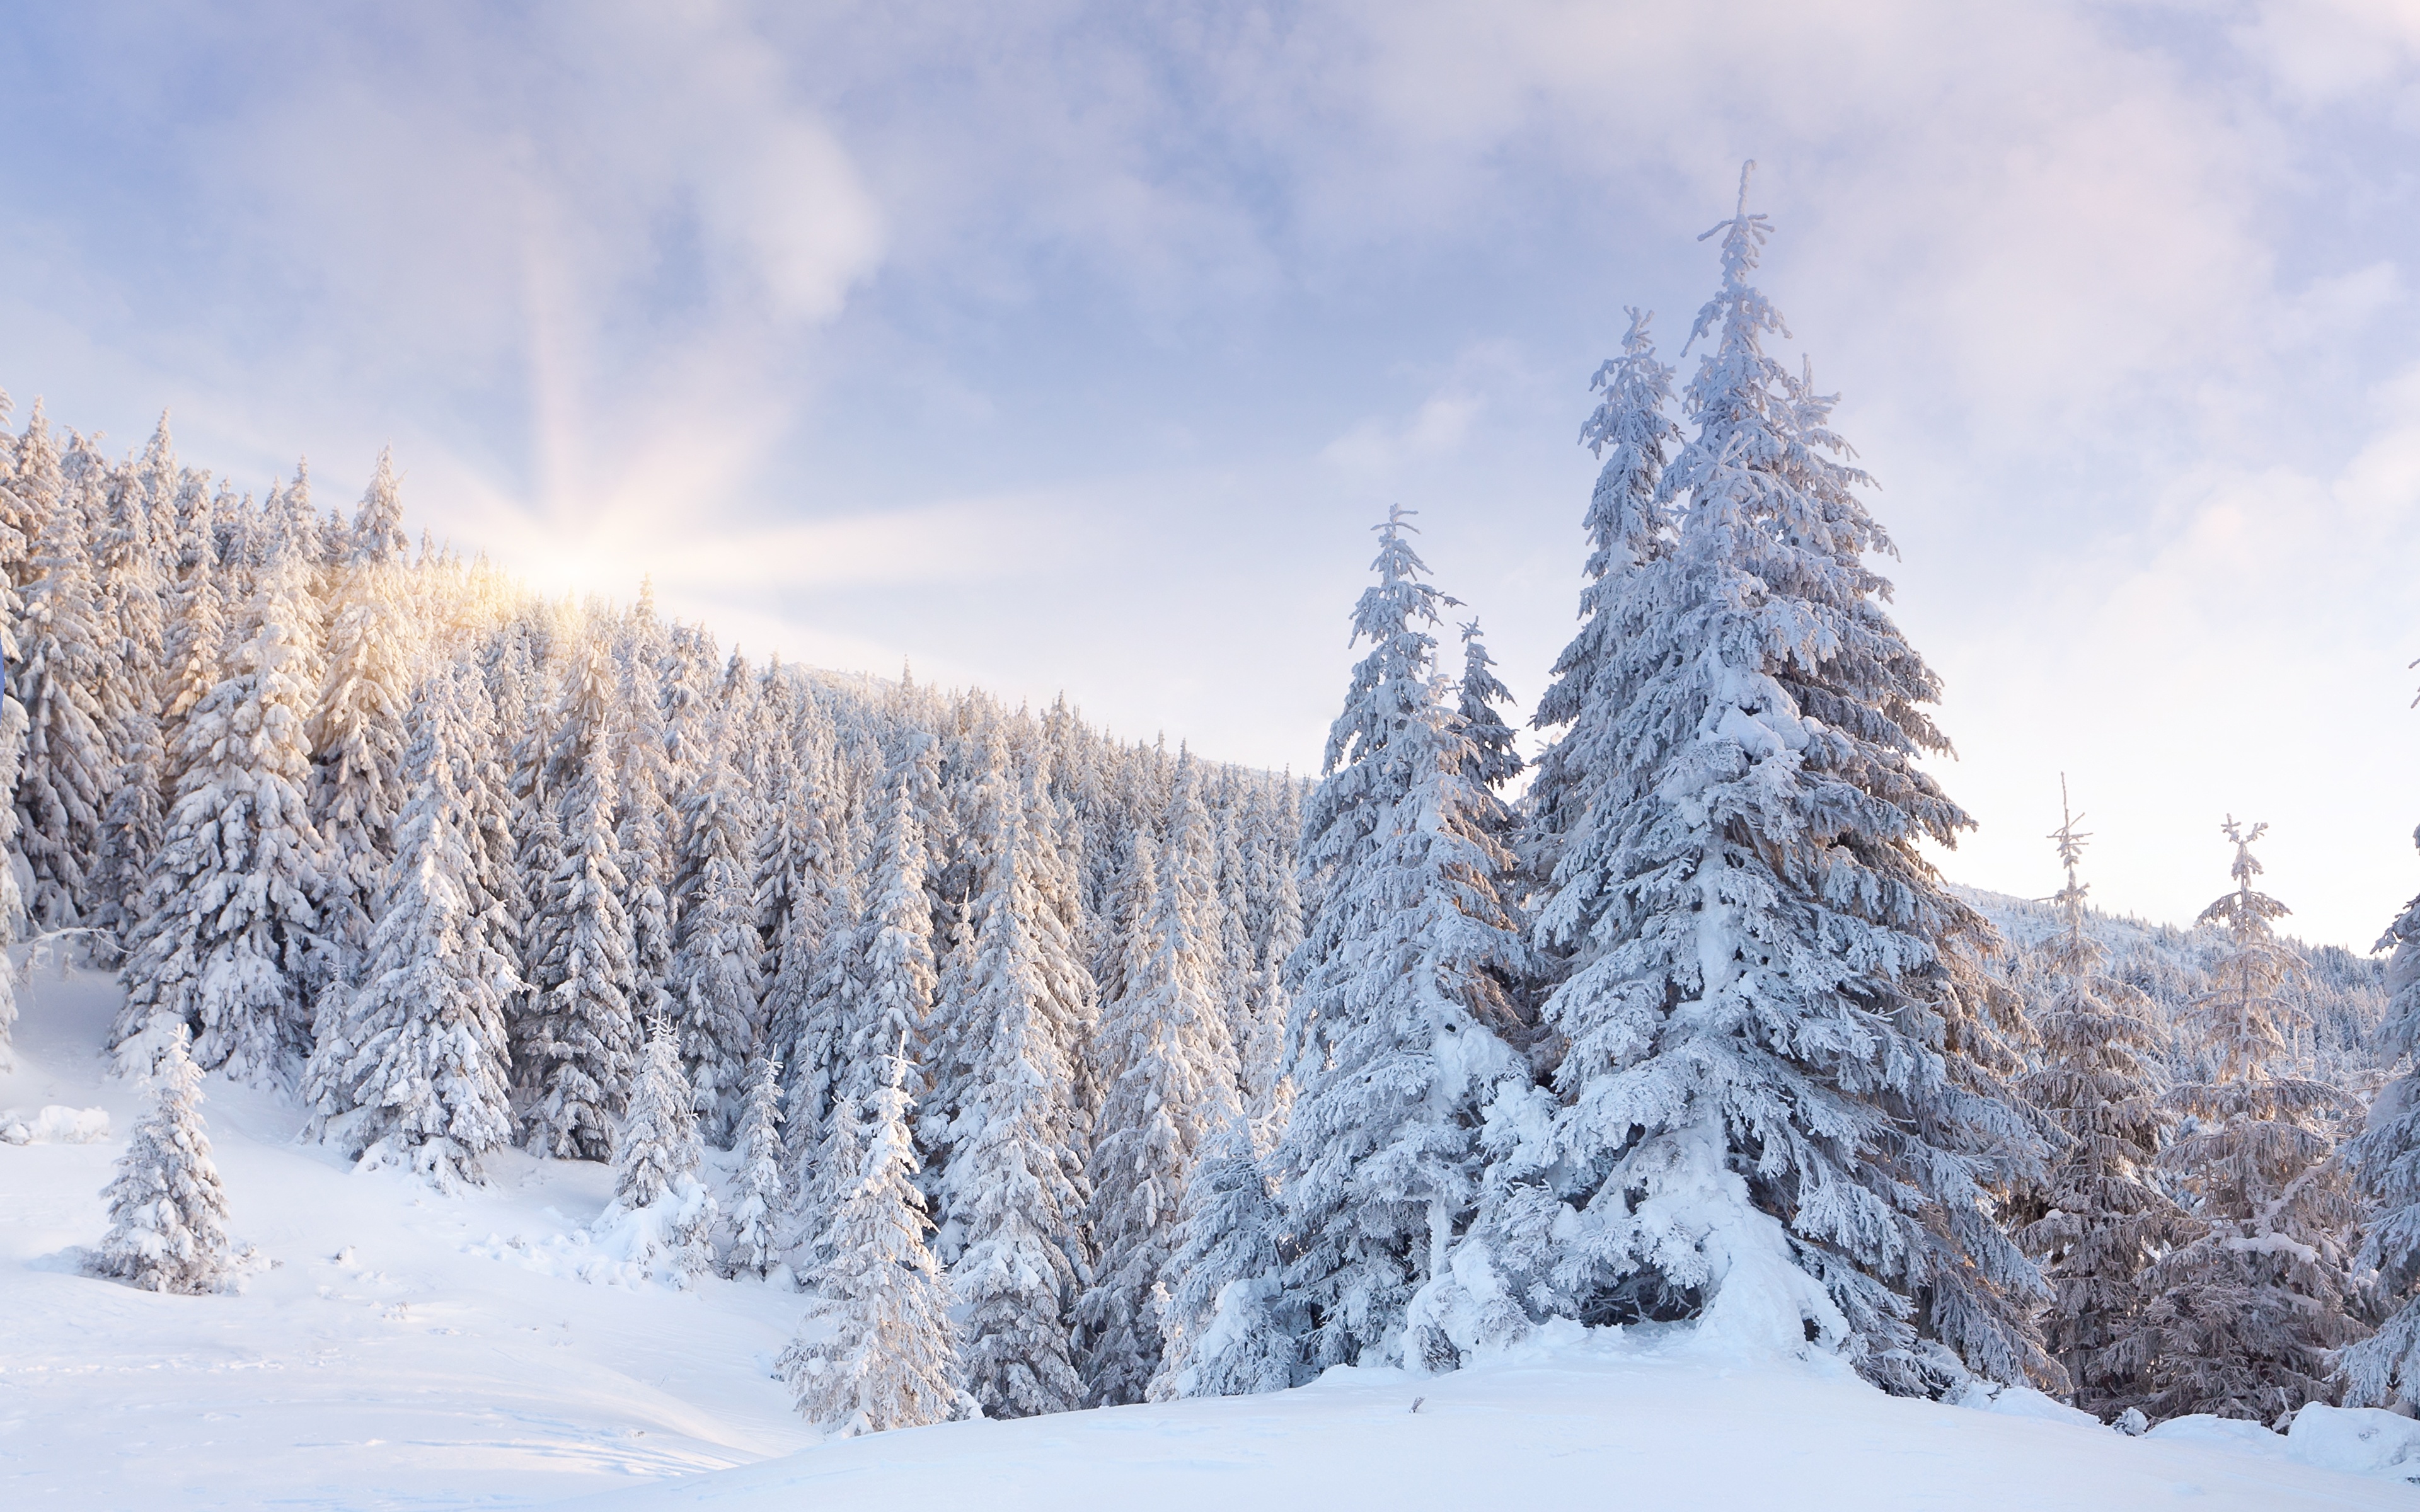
2245 1318
581 1045
2384 1369
357 723
12 758
1627 526
648 826
1761 1127
411 1062
1013 1189
1406 1031
877 1350
1166 1071
896 962
57 675
1230 1328
1494 760
2101 1215
167 1208
1275 909
230 936
806 906
714 988
129 548
756 1208
662 1218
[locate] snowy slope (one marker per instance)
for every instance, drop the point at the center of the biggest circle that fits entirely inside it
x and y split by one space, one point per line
414 1371
436 1366
1591 1424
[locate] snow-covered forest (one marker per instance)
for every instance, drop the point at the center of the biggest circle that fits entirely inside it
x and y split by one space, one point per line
1047 1070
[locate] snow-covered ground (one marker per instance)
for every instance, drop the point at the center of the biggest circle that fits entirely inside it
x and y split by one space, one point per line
395 1349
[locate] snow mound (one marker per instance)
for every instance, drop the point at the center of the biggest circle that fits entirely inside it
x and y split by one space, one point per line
2233 1432
659 1245
2023 1402
55 1125
2359 1441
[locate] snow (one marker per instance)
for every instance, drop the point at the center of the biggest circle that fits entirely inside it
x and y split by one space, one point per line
374 1358
55 1125
380 1355
2359 1441
1645 1421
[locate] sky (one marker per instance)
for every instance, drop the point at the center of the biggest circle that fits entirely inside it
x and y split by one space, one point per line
1055 346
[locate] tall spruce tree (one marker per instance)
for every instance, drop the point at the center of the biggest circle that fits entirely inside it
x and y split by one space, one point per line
660 1210
58 678
1405 1025
357 723
583 1043
1013 1187
2103 1215
714 987
896 954
1166 1071
1230 1328
411 1062
230 940
2384 1369
756 1213
648 827
132 561
2245 1318
1761 1127
877 1350
1628 525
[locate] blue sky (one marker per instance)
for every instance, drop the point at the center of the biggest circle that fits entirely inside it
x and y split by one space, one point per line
1061 345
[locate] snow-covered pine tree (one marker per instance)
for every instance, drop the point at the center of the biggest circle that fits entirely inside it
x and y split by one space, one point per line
230 934
714 988
1166 1071
807 897
1627 525
661 1215
1760 1125
1012 1190
897 950
2244 1319
1232 962
756 1213
167 1210
1230 1328
12 736
22 495
877 1350
357 723
648 825
1274 907
2101 1215
583 1043
132 580
1494 760
12 757
525 717
410 1064
57 676
2384 1369
1405 1029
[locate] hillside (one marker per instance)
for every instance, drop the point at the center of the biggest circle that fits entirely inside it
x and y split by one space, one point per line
394 1348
